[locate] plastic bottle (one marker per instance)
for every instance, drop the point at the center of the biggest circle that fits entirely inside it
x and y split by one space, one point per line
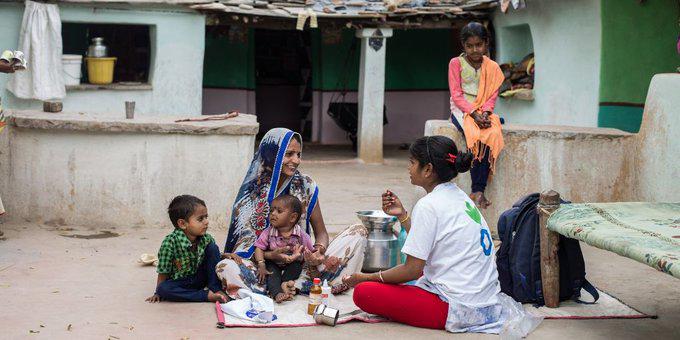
325 292
314 296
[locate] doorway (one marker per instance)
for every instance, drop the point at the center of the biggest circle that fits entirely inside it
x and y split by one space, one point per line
283 80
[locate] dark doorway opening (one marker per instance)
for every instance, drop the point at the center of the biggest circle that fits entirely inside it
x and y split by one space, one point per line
283 80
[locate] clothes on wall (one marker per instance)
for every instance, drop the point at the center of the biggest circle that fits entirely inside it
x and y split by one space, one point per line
519 78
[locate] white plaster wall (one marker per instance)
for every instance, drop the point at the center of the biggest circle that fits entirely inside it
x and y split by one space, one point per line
657 155
118 179
177 37
218 101
583 164
407 112
567 40
588 164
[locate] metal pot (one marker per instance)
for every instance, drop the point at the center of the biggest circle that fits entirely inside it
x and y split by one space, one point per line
382 249
98 49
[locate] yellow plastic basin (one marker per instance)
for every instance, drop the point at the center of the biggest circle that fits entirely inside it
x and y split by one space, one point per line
100 70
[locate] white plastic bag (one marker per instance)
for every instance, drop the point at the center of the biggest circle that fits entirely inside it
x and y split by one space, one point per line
519 322
251 306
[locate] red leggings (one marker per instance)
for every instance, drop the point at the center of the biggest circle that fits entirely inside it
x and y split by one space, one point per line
402 303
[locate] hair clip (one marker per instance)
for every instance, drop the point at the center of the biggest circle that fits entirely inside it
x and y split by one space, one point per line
451 158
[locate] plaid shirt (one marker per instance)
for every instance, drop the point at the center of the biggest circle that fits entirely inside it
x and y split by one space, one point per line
177 259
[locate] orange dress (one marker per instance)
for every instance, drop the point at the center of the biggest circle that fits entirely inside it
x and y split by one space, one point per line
481 141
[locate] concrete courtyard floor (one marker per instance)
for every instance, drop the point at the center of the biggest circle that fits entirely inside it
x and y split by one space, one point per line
56 284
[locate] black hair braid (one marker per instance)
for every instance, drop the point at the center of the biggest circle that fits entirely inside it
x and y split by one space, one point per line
447 162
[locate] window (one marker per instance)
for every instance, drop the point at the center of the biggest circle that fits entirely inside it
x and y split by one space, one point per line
130 44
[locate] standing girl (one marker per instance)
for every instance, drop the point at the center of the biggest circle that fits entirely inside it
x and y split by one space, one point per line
474 80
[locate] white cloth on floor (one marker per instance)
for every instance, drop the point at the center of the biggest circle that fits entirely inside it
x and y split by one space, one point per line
251 306
40 40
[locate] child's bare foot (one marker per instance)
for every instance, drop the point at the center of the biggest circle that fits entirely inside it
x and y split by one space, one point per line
280 297
485 202
480 200
288 287
217 296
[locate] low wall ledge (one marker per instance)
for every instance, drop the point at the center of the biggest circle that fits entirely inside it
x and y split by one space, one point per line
545 131
244 124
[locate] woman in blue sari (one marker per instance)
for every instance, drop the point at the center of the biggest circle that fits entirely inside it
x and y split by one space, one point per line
274 172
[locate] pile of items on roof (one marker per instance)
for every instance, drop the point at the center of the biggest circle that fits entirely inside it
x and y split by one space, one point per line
339 9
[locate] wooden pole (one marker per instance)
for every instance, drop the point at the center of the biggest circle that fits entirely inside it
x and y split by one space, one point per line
550 265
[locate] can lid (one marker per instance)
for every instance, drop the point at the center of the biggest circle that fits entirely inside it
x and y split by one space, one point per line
317 281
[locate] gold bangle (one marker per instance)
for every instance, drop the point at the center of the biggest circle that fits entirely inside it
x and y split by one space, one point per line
405 218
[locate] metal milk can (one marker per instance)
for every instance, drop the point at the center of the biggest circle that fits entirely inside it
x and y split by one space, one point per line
97 49
382 249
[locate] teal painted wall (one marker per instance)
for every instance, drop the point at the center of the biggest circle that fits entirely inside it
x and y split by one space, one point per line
416 60
229 60
638 41
566 42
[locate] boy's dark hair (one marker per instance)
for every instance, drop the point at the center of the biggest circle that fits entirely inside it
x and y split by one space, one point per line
438 150
474 29
293 203
182 206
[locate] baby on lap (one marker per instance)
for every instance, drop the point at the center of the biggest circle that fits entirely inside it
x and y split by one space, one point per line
283 232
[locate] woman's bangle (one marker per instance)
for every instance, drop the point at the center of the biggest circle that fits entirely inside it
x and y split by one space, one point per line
405 218
380 276
320 246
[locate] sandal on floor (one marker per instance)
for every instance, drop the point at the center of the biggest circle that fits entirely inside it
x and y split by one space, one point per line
148 260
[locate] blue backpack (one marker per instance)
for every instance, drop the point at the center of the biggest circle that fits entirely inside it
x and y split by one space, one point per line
519 257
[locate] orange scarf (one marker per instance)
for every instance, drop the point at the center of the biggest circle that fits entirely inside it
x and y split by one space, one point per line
481 141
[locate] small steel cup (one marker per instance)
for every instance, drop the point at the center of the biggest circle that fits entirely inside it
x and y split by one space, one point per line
129 110
326 315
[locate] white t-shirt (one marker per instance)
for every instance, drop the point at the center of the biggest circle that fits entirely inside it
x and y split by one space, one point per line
449 233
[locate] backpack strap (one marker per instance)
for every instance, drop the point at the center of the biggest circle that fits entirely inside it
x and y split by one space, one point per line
588 287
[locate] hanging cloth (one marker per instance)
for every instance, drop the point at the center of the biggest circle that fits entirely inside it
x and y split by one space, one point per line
40 40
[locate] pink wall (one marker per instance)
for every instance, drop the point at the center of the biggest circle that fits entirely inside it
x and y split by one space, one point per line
218 101
407 112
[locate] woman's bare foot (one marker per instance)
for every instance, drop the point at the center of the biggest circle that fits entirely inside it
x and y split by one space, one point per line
280 297
288 287
217 296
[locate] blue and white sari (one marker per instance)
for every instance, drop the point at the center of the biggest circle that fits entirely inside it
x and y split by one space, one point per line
345 253
250 214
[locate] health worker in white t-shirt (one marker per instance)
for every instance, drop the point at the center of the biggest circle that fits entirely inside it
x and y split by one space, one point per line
449 252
